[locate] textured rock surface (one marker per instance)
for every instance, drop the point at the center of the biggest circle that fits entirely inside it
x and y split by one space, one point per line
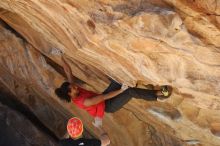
172 42
16 130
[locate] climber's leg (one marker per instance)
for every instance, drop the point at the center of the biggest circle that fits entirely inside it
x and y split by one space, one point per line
162 92
114 104
117 102
112 87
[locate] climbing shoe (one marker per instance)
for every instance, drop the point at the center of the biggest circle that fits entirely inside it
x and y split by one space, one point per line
166 91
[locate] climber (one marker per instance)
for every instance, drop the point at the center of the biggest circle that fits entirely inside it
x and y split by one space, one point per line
111 100
75 130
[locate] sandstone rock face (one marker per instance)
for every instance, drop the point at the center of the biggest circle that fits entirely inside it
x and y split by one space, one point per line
16 130
175 42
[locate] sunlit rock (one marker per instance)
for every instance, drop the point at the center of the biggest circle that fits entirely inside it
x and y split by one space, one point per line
173 42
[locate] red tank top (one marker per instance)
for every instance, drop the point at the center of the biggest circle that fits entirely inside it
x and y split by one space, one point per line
94 110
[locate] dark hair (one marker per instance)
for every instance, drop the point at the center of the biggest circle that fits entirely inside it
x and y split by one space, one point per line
62 92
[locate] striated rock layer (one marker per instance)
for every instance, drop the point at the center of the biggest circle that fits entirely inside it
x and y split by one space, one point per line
175 42
17 130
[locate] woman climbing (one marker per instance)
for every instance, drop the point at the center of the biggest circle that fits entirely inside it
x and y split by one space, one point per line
110 101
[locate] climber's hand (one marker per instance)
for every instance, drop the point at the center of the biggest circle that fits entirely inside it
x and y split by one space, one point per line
124 87
55 51
105 141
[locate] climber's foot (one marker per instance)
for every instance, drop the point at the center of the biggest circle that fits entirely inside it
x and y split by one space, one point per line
164 92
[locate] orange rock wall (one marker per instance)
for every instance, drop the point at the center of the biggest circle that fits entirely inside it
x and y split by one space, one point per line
173 42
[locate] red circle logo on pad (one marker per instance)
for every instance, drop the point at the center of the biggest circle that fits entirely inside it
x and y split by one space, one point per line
75 127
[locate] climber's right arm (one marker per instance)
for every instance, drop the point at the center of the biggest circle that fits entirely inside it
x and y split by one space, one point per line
68 71
97 99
